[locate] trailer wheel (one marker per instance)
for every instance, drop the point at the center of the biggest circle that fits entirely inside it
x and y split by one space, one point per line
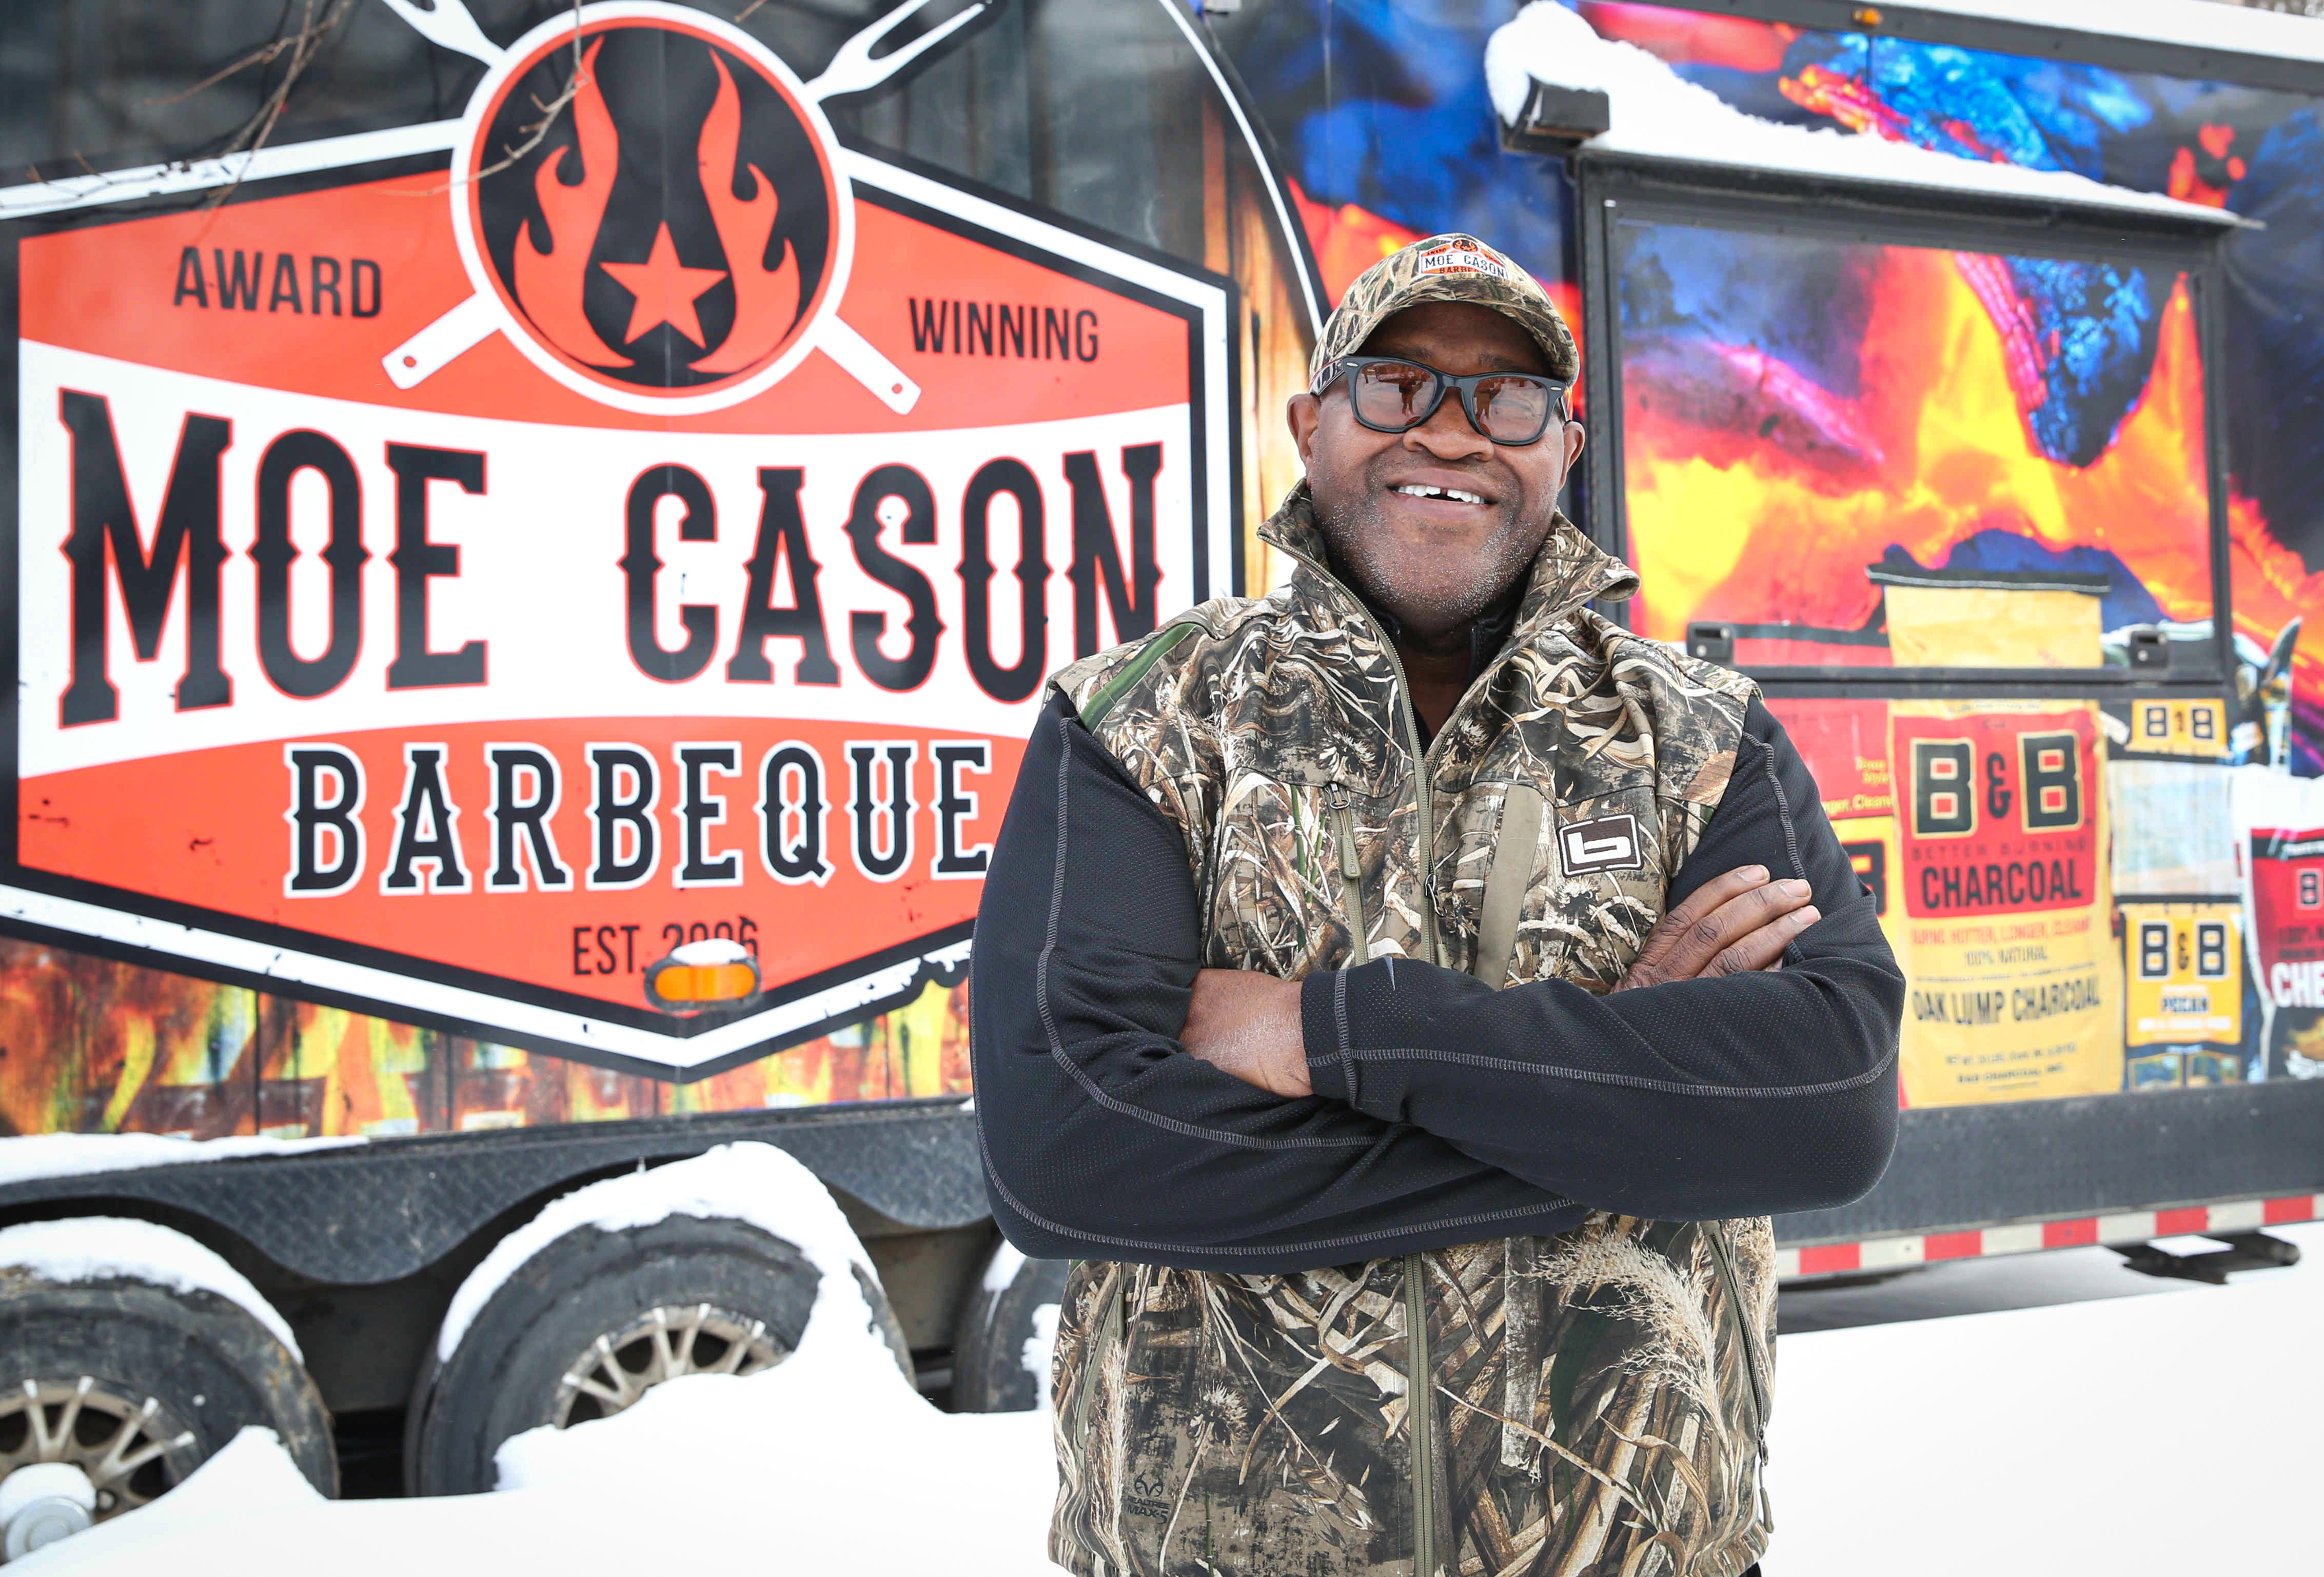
593 1320
1001 1328
134 1384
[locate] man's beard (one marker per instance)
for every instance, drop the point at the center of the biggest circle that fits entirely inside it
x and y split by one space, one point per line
1426 602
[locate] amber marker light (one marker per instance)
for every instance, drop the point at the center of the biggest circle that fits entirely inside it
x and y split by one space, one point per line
715 973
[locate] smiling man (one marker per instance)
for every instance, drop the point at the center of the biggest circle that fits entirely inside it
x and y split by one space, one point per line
1407 996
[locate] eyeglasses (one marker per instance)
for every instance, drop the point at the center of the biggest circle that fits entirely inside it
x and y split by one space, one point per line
1390 394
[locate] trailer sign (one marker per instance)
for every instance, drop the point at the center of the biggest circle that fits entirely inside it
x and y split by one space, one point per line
443 588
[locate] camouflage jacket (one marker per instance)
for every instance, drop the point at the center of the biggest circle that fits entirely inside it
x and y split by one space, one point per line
1597 1397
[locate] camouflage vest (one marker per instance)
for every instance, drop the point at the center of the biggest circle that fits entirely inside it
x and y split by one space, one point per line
1597 1401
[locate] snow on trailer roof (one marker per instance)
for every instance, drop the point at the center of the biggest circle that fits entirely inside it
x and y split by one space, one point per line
1656 114
2197 25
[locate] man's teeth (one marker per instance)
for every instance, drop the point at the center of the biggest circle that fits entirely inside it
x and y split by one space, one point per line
1422 490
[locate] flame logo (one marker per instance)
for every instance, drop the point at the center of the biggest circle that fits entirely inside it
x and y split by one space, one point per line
611 256
766 301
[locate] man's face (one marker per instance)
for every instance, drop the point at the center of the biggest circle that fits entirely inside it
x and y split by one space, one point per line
1431 561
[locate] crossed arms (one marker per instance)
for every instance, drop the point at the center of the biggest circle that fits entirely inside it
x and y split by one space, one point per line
1442 1111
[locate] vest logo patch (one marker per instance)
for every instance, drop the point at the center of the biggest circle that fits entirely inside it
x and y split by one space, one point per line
1606 843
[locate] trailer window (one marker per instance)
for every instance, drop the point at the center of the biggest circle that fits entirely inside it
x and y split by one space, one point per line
1872 456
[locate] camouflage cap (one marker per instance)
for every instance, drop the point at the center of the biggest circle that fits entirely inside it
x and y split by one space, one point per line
1445 268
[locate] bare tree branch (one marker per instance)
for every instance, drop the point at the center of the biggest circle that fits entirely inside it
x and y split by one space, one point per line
537 130
301 47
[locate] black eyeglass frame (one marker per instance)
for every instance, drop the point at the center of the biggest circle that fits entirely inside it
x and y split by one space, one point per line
1346 368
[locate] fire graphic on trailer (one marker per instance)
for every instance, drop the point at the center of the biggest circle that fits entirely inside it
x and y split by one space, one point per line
673 279
1758 492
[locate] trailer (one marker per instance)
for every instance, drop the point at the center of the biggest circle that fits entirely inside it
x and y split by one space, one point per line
537 530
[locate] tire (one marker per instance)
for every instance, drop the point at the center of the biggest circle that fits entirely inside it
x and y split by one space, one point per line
98 1352
733 1299
1002 1315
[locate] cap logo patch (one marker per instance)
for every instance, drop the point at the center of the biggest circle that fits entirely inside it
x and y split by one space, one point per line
1454 258
1607 842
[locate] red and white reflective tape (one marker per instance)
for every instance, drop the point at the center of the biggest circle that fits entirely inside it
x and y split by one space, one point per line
2136 1226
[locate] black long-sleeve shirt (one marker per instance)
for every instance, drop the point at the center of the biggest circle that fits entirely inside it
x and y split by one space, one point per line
1443 1111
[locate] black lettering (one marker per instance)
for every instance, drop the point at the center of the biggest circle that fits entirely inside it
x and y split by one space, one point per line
1085 336
605 950
1943 804
426 827
783 547
928 324
878 864
190 281
323 279
274 553
1057 340
955 804
1012 329
629 950
621 823
103 517
580 944
515 813
993 478
2051 766
792 858
418 561
2210 946
641 569
865 628
286 284
1097 557
1871 861
956 328
239 289
980 326
699 810
1996 785
327 840
360 268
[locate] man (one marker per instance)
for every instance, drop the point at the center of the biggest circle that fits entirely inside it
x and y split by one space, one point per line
1407 996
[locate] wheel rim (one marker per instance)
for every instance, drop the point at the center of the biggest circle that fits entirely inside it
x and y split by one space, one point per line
611 1373
129 1445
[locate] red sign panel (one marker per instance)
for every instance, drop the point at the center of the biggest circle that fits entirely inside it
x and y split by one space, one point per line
1998 814
444 590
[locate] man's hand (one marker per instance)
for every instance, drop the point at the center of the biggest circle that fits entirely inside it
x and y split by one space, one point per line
1246 1022
1732 923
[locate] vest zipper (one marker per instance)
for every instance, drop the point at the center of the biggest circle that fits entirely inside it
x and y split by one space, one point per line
1416 1293
1420 1394
1351 874
1423 792
1716 1232
1424 786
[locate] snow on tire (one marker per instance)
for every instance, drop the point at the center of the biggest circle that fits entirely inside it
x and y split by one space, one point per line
572 1319
1000 1351
131 1353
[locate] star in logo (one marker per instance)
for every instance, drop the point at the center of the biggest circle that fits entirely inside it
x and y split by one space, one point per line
665 289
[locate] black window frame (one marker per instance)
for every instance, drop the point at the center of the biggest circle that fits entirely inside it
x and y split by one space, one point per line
1614 189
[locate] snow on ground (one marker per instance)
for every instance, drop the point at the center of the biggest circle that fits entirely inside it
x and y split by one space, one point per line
34 1156
101 1248
1657 114
2022 1441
